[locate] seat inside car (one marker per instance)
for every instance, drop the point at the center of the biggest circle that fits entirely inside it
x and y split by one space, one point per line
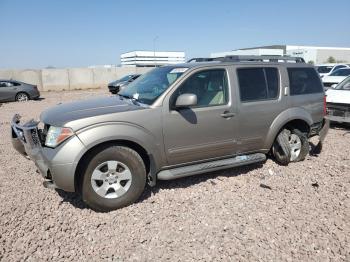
214 94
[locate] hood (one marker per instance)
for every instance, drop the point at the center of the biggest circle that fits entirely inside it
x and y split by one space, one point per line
338 96
63 113
333 79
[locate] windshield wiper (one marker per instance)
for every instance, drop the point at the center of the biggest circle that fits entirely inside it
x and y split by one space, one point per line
125 96
134 100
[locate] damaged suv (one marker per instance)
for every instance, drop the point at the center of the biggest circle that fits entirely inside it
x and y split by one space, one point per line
176 121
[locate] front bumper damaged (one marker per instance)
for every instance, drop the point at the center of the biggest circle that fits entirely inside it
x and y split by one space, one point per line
26 140
57 166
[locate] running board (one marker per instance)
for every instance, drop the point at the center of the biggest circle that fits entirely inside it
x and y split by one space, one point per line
178 172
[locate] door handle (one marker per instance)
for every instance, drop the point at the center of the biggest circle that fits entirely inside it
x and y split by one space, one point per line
227 114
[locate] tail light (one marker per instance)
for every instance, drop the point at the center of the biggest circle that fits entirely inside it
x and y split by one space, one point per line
324 106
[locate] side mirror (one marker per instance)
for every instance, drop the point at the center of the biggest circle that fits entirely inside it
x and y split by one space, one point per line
186 100
333 86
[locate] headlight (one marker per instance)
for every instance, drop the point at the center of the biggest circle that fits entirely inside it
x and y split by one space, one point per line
57 135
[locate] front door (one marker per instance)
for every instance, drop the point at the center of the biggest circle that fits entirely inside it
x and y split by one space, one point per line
206 130
6 91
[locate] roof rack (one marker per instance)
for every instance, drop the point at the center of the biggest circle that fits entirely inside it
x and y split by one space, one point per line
201 59
250 58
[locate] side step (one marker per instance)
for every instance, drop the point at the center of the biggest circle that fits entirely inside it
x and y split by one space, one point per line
210 166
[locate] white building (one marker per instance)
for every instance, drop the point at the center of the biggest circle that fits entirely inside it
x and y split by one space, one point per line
318 54
257 51
151 58
315 54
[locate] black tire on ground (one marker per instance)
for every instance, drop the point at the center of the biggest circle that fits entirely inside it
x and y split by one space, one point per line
281 149
118 153
22 95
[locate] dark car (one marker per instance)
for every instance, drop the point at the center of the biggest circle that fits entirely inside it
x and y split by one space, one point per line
11 90
115 86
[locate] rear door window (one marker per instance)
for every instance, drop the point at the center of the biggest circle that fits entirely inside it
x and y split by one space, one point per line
258 83
304 81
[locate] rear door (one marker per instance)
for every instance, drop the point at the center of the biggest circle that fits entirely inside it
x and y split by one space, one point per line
206 130
306 90
259 101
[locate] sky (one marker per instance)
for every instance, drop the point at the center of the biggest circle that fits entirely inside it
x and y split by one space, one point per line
79 33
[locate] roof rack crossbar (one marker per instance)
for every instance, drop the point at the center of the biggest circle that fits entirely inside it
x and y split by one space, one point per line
250 58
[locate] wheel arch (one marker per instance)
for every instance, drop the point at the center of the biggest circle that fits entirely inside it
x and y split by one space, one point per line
144 154
297 118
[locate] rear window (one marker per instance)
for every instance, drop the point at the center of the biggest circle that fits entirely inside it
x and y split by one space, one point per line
258 83
304 81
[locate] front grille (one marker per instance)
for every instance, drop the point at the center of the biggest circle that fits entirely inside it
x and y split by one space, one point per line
342 110
35 136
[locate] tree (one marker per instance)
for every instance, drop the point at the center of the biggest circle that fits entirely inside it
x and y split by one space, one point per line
331 59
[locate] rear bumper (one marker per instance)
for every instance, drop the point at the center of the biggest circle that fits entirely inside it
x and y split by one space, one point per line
54 164
34 95
324 130
340 119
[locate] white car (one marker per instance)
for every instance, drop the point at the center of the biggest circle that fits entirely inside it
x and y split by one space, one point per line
327 69
335 78
338 102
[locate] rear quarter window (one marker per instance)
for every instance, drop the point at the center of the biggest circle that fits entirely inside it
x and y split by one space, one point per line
304 81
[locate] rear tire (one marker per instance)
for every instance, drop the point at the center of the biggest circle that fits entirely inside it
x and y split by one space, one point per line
114 177
290 146
304 148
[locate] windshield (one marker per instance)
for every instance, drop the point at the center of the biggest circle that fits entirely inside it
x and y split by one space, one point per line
148 87
345 85
341 72
324 69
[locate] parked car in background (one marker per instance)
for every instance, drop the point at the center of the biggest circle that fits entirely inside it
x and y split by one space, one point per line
335 78
115 86
176 121
338 102
326 69
11 90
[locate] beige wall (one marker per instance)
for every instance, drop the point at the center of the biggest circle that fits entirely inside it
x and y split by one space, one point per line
339 55
70 78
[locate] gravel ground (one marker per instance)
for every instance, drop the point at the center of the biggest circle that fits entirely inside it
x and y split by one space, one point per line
256 213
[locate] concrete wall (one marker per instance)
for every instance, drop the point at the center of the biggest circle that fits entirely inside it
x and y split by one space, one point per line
339 55
70 78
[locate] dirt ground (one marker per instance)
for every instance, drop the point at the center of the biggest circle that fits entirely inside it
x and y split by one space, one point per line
256 213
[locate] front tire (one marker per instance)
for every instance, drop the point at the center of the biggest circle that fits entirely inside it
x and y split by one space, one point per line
115 177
